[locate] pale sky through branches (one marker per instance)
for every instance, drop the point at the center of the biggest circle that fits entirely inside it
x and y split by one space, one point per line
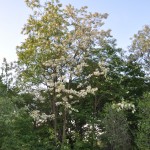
126 17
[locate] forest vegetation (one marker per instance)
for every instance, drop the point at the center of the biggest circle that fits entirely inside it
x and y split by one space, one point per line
72 88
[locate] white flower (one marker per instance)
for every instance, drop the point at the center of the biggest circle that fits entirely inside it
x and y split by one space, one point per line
58 103
60 88
65 99
58 95
52 116
70 96
124 106
80 85
60 113
96 73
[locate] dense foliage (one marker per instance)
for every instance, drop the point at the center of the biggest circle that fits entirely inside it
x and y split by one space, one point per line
72 88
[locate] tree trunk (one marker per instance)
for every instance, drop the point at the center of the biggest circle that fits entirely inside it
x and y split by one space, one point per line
64 128
55 120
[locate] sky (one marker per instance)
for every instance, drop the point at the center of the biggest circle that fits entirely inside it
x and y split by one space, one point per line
126 17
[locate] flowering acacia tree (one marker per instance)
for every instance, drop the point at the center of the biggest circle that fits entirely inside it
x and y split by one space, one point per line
59 42
141 46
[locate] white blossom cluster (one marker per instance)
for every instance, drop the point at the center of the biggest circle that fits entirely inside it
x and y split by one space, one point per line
124 106
38 96
89 128
103 67
79 68
40 118
97 73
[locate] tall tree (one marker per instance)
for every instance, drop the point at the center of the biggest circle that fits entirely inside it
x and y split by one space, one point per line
141 46
53 57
